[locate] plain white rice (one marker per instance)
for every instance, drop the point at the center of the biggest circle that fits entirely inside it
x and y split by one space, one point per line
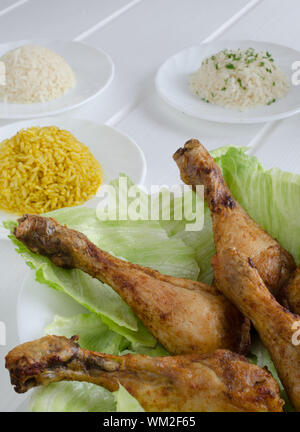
239 79
35 74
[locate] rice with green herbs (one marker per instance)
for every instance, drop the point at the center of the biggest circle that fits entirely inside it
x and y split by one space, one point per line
239 79
44 169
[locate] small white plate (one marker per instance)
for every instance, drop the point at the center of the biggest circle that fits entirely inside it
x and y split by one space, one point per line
115 151
93 68
172 83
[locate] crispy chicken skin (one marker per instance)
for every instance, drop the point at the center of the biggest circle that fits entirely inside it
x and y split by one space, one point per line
290 294
240 281
185 316
232 226
222 381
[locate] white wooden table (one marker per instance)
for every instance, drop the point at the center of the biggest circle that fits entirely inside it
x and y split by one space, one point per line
139 35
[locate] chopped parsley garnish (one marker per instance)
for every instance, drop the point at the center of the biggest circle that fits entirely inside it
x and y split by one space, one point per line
240 83
234 57
271 101
230 66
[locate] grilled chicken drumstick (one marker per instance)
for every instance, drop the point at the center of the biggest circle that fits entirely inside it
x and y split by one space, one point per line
221 381
232 226
184 315
239 280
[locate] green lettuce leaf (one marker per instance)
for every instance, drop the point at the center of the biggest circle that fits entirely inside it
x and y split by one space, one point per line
202 242
82 397
72 397
271 197
93 333
125 402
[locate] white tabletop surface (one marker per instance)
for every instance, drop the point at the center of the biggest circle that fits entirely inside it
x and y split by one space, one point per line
139 35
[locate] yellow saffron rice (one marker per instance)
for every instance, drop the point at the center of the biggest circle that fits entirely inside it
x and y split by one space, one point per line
46 168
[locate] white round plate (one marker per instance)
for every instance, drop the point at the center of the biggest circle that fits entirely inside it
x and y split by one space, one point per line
172 83
116 152
93 68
